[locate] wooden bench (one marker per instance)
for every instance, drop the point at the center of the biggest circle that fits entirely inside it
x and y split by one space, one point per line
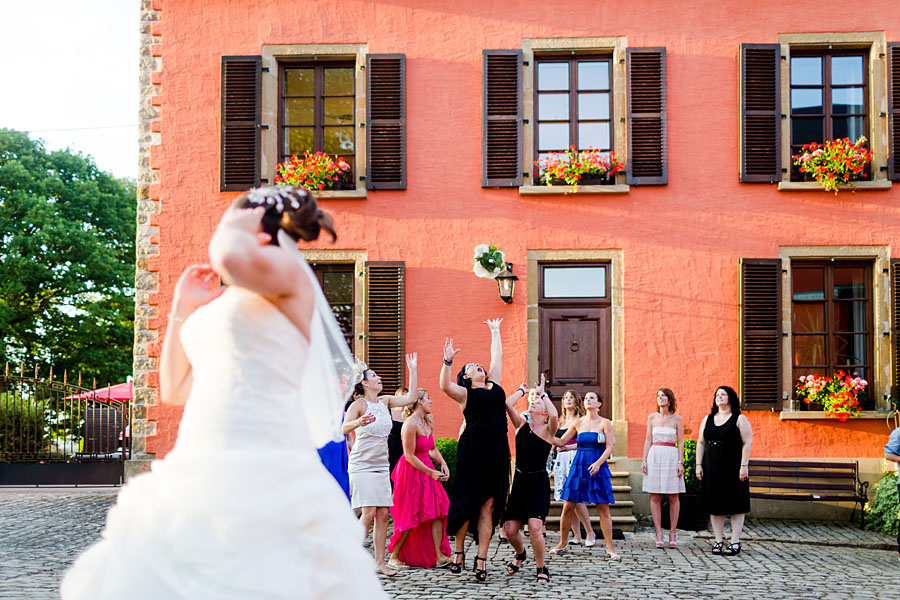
803 480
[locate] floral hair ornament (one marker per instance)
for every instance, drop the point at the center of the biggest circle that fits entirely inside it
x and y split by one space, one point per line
274 196
359 371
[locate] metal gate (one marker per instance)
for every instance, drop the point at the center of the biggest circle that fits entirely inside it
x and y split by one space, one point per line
56 433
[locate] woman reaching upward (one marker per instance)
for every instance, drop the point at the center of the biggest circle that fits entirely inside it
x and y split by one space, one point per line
482 461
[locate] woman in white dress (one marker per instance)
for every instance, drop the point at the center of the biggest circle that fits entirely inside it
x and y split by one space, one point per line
242 508
370 477
662 465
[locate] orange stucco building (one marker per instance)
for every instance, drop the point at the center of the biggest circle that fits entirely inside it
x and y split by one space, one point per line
702 100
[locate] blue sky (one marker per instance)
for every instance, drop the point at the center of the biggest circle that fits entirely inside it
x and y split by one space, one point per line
70 75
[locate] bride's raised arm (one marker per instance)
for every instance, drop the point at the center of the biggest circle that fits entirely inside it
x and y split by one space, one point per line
241 253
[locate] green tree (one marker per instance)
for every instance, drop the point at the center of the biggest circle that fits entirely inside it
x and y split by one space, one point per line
67 235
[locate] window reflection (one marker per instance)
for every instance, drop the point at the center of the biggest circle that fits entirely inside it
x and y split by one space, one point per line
574 282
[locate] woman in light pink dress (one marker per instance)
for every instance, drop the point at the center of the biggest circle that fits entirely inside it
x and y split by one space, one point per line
420 502
662 465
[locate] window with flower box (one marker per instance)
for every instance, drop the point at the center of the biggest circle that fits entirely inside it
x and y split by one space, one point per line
814 88
316 107
828 92
330 98
558 93
573 106
336 281
831 319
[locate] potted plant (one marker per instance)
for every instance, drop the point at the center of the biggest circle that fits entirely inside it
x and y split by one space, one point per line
489 261
838 395
831 163
693 515
578 167
315 172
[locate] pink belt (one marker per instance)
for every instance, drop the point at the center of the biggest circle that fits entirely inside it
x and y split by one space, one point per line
672 444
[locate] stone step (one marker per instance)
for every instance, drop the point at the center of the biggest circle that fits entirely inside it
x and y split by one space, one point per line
625 523
622 508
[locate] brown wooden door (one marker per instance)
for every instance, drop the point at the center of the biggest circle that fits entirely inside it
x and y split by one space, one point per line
575 351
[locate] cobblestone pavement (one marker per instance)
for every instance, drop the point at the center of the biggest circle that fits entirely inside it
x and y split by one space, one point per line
41 532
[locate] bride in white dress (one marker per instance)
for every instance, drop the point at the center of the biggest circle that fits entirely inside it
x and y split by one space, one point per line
242 508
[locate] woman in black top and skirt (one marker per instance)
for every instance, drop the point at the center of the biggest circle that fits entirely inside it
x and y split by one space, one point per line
529 500
479 491
723 458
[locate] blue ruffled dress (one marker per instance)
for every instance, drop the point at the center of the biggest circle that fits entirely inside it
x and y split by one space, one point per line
580 485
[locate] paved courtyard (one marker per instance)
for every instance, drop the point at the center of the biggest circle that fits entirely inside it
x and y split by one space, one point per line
41 531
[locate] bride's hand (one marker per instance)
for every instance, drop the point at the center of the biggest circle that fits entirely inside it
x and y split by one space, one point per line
246 220
198 285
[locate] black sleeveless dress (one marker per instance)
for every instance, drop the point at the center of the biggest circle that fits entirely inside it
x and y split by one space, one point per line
530 496
482 460
723 491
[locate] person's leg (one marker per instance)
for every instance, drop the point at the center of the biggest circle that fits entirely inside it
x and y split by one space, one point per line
565 524
511 530
718 525
485 532
437 534
367 518
485 527
538 545
674 508
581 511
606 528
395 553
656 513
380 539
737 526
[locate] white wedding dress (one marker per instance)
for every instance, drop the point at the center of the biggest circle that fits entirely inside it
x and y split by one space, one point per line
241 508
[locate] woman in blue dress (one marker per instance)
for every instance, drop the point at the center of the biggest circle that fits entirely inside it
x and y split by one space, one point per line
589 480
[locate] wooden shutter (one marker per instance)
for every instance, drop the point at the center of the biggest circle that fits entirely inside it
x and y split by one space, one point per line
895 327
761 333
501 162
241 108
385 291
386 126
647 127
760 113
893 93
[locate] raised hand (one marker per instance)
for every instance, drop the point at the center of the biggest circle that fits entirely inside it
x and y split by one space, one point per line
449 352
494 324
539 387
198 285
412 360
243 219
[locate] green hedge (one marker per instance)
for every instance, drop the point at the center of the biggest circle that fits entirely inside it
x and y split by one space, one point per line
882 510
23 426
447 448
691 483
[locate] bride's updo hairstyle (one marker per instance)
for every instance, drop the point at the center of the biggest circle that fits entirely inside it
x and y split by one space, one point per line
291 208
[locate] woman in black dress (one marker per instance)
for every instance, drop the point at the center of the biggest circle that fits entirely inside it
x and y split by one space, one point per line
395 444
479 490
529 500
723 458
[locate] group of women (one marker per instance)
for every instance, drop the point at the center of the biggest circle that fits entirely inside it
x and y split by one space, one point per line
582 439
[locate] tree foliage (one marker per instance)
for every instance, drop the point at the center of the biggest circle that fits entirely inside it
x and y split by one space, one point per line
67 235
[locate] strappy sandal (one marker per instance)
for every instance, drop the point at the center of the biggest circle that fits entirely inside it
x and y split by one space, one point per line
512 569
732 549
543 575
613 556
480 574
457 567
556 550
717 547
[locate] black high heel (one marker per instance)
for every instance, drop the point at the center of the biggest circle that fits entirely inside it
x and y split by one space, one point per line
512 569
457 567
543 575
480 574
732 549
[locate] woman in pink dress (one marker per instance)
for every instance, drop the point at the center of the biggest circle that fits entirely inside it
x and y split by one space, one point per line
420 502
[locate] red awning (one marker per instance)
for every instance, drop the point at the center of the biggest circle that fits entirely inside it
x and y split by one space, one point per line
121 392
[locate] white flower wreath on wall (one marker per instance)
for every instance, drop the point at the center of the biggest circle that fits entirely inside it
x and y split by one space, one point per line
489 261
